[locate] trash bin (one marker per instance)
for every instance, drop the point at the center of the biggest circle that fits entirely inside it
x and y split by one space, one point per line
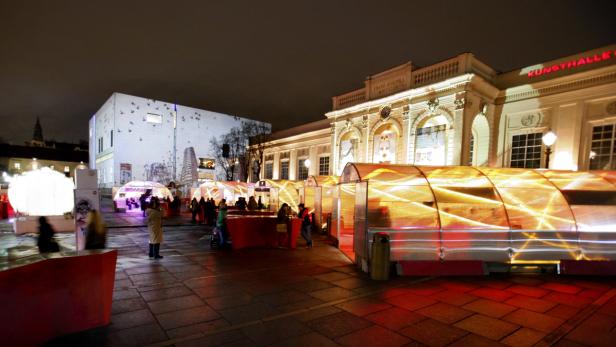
379 268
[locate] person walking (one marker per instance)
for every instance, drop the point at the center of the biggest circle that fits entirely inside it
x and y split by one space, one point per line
155 227
46 241
96 234
306 217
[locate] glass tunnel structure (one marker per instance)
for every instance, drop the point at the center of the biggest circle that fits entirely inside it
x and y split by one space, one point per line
476 213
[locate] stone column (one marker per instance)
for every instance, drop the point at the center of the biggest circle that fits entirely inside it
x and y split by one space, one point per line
293 164
276 169
465 111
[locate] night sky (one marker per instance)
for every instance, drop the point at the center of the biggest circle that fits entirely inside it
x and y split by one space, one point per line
277 61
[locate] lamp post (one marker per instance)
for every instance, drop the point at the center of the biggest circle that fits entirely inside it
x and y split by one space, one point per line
548 140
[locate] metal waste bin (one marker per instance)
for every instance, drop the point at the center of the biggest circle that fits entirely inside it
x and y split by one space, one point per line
379 268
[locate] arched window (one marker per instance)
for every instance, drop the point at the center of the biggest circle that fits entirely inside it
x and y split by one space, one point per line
432 141
385 142
480 143
349 144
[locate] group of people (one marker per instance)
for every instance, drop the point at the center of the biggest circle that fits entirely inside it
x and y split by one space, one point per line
285 214
251 205
203 209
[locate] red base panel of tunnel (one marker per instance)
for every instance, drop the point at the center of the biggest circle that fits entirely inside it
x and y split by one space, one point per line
441 268
586 267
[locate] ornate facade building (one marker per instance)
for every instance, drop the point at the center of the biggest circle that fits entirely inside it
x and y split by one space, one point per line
462 112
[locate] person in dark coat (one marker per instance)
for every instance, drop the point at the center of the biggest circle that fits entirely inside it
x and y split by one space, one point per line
194 209
202 206
210 211
306 217
143 203
96 235
46 242
260 205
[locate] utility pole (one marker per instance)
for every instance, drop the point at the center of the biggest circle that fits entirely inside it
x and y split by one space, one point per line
175 123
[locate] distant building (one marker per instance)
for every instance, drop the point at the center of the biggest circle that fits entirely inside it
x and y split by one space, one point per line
134 138
38 152
462 112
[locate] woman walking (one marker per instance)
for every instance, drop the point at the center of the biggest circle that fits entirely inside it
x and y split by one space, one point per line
155 227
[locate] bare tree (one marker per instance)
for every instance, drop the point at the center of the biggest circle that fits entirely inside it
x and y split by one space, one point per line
246 146
258 134
216 146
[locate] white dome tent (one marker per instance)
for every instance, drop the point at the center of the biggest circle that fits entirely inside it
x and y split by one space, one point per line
42 192
134 189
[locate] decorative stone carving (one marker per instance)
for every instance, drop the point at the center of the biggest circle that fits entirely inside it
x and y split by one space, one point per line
348 124
433 105
528 120
459 103
385 112
364 122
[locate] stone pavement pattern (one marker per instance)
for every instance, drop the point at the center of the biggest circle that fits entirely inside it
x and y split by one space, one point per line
199 297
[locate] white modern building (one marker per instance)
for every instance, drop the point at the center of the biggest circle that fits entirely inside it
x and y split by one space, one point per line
134 138
462 112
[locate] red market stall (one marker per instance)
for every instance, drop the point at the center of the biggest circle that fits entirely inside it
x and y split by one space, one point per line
254 231
46 296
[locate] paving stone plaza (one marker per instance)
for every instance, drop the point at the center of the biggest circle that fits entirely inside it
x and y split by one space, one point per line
196 296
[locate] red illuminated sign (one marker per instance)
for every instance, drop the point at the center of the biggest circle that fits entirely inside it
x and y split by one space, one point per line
572 64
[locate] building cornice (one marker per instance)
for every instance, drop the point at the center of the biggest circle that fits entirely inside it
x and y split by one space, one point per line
560 85
445 86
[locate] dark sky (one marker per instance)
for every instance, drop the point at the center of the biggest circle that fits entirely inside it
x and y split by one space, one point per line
278 61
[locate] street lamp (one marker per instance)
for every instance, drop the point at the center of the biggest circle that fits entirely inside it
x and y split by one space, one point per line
548 140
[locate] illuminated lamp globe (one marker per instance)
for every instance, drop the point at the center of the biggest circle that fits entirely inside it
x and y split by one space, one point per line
307 163
42 192
549 138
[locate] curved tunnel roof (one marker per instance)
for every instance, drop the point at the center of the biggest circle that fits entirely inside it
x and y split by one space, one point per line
484 198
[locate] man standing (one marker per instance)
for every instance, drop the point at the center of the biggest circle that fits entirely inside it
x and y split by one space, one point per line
306 217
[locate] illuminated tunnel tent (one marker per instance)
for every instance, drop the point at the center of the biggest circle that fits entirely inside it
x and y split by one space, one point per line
229 190
134 189
317 194
469 213
274 193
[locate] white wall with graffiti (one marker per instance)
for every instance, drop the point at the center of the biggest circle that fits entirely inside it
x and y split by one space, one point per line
134 138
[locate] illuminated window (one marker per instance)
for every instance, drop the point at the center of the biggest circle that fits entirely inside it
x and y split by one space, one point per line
603 148
431 141
348 149
154 118
284 170
67 169
323 166
385 139
269 170
17 166
526 151
302 170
